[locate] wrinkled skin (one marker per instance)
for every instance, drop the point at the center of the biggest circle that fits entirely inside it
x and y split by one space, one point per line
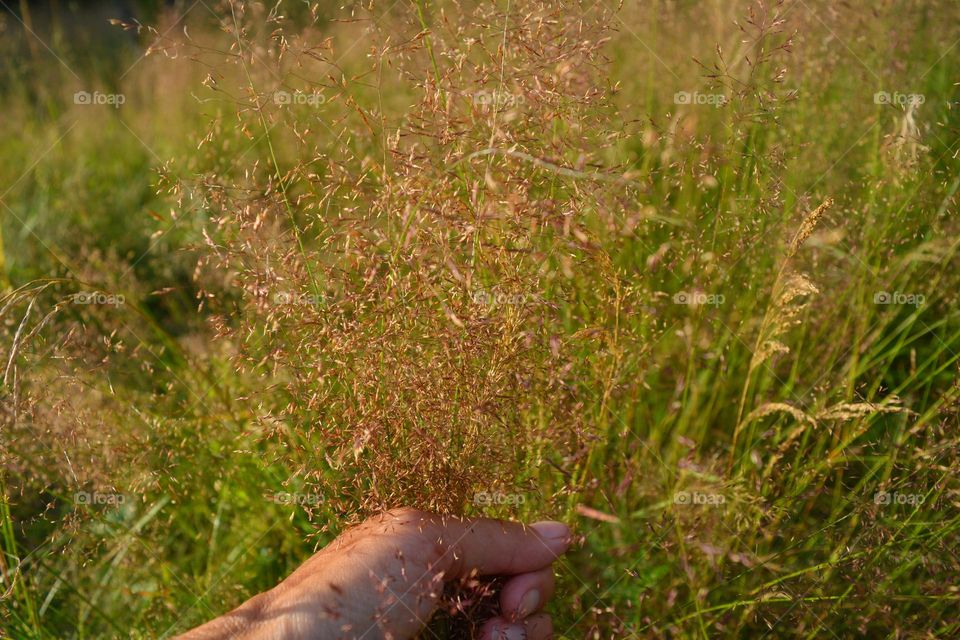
383 579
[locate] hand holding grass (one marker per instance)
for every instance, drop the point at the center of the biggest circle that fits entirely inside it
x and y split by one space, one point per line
383 579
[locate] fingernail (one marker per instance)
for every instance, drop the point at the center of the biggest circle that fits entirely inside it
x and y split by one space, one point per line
555 534
528 603
511 632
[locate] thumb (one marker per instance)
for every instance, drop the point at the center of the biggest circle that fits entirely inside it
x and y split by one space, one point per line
499 547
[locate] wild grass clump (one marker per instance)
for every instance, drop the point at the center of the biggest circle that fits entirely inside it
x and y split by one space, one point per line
403 297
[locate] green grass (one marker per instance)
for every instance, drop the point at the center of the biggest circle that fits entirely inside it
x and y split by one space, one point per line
598 398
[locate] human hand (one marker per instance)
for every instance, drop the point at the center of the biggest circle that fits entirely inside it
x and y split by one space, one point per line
383 580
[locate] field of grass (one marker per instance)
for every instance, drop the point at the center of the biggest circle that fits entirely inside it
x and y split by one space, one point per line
682 274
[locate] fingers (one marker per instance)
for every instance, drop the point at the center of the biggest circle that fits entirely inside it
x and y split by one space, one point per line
496 547
526 594
538 627
452 548
473 546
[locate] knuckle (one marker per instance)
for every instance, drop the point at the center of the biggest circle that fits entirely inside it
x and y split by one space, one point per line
406 514
403 521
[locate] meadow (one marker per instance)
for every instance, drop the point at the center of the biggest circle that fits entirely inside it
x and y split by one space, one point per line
682 274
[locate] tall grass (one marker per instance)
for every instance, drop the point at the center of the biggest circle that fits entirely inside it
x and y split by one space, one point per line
681 275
